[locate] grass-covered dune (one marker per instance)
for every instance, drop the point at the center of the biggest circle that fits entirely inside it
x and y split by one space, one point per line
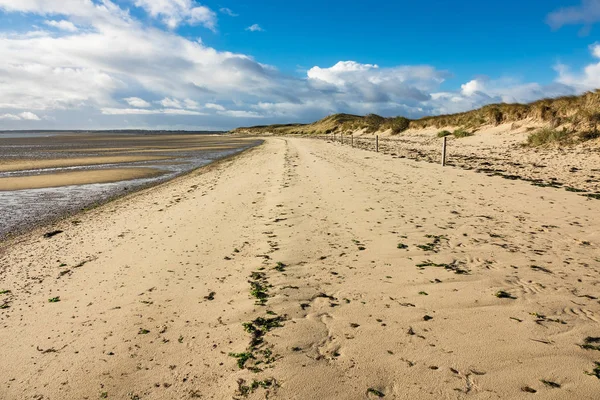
565 119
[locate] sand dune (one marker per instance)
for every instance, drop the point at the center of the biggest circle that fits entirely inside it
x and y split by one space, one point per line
325 272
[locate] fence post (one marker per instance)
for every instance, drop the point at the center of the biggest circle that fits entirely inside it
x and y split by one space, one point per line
444 153
377 143
352 138
341 138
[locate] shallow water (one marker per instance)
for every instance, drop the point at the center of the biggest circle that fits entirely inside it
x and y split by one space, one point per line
22 209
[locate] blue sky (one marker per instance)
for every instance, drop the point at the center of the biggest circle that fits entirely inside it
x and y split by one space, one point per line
184 64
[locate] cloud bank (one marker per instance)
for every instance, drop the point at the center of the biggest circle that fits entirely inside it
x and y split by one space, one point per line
98 66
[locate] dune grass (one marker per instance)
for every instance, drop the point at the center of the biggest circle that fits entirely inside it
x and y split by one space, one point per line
547 136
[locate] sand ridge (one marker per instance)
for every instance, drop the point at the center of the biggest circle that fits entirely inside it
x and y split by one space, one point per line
347 273
22 165
77 178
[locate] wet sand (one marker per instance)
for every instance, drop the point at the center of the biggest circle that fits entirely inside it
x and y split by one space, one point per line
77 178
304 269
21 165
45 176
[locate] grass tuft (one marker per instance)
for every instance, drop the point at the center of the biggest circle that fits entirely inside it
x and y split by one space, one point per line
547 136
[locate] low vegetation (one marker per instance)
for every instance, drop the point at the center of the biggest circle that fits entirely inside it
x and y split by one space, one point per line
547 136
578 117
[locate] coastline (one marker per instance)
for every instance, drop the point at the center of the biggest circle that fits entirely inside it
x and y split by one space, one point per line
46 224
362 274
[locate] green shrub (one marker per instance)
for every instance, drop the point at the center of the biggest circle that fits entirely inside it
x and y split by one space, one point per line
399 125
546 136
461 133
444 133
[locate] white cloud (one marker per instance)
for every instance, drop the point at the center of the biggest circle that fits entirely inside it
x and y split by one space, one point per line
354 83
595 49
62 25
587 79
472 87
29 116
171 103
97 73
141 111
11 117
213 106
191 104
587 13
241 114
175 12
228 11
255 28
137 102
25 116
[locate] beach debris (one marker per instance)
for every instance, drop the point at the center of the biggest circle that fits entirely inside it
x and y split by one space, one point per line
48 235
591 343
528 389
501 294
210 296
375 392
245 390
54 299
280 266
242 358
596 371
434 245
551 384
454 266
538 268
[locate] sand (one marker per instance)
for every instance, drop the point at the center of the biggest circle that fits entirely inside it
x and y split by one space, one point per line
154 288
499 151
21 165
77 178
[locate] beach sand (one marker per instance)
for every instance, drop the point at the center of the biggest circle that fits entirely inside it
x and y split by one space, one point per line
379 276
76 178
23 165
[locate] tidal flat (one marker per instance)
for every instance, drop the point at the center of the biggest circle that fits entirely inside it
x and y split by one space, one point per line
44 176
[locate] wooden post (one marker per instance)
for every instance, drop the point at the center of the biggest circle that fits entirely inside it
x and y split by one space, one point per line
377 143
341 138
334 137
352 138
444 153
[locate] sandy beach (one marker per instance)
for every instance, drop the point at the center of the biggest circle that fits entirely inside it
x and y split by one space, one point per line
303 269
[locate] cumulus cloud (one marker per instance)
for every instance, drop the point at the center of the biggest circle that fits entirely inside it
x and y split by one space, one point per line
352 82
137 102
587 13
587 79
175 12
62 25
255 28
99 72
472 87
